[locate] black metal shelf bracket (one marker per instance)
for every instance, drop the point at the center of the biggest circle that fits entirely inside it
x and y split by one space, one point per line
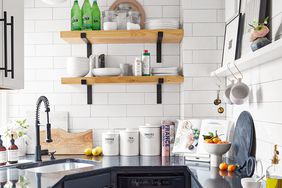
89 91
83 36
159 46
159 90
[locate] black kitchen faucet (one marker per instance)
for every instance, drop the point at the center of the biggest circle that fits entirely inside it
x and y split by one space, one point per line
37 126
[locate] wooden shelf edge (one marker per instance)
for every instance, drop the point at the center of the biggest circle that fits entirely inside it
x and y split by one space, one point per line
124 36
123 80
264 55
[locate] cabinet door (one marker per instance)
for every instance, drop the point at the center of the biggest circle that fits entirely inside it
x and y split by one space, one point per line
15 8
1 43
95 181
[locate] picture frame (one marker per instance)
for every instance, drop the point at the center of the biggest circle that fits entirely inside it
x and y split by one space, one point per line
250 10
231 40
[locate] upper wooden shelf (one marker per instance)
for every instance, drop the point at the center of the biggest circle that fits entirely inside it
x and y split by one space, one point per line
123 79
124 36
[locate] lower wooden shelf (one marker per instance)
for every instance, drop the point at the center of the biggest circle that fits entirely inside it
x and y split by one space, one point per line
123 79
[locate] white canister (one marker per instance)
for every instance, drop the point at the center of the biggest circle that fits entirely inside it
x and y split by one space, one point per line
150 140
129 142
110 143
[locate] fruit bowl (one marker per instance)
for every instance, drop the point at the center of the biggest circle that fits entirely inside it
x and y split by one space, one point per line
216 151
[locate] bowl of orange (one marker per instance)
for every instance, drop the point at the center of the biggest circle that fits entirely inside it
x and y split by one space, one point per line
216 148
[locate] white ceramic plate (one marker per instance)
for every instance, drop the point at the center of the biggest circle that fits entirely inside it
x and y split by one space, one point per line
106 72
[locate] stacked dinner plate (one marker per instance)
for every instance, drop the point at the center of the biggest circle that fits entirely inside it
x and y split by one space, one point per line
162 23
165 71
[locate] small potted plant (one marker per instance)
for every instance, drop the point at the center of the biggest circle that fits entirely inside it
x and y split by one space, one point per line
18 129
258 34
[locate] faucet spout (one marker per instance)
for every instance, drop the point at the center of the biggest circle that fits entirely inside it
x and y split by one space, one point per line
41 100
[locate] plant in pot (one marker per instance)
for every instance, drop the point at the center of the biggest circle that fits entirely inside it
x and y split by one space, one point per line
258 34
18 129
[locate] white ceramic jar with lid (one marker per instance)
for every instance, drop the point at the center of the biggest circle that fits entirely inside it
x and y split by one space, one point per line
110 143
150 140
129 142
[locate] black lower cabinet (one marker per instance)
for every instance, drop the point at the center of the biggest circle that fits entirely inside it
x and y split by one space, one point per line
95 181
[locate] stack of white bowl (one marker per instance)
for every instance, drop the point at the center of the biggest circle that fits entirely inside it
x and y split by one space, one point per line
162 23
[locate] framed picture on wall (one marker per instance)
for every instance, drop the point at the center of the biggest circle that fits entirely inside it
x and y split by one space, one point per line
230 48
250 10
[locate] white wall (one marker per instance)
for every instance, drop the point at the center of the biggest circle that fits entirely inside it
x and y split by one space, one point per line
265 101
121 106
201 54
115 106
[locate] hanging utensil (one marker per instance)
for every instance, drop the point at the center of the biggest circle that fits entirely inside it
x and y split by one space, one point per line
217 101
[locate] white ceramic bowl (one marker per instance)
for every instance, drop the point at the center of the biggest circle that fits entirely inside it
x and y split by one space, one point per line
77 66
106 72
216 151
250 183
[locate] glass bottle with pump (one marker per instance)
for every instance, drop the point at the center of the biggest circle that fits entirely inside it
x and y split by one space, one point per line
3 153
274 172
13 156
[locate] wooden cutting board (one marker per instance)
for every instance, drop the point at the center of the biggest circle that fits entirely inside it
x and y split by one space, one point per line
65 143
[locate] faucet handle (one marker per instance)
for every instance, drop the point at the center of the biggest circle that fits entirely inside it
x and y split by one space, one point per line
52 155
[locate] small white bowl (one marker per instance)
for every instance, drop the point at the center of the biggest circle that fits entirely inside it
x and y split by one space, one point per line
216 151
107 72
77 66
250 183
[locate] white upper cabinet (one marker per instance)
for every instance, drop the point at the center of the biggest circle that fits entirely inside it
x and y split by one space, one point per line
12 44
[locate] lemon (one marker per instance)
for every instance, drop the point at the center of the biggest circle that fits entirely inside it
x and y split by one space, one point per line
88 151
97 151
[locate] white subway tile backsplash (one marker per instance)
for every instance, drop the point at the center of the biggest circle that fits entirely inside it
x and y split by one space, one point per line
207 56
29 26
38 14
38 38
126 98
108 110
197 16
75 110
52 25
198 70
90 123
203 4
38 62
153 11
144 110
171 11
208 29
61 13
128 122
161 2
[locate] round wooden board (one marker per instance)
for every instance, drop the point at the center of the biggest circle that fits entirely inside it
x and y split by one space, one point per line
136 7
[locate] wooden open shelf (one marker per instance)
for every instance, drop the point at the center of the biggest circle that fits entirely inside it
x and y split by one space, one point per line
124 36
123 79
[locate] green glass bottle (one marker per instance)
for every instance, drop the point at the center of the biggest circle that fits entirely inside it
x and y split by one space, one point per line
86 16
96 15
76 18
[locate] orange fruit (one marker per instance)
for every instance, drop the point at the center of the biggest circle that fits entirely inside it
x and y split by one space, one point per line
223 173
223 166
209 141
216 140
231 168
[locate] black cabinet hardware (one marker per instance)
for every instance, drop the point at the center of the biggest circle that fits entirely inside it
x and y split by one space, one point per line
5 68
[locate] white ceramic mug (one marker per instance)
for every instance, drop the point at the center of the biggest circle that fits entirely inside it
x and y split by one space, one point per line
227 93
239 93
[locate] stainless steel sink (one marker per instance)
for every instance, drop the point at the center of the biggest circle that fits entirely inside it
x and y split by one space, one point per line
57 166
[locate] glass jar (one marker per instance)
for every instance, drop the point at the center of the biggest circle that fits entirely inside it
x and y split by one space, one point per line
109 20
133 20
123 10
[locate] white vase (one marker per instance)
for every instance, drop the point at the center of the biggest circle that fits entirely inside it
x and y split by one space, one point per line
22 145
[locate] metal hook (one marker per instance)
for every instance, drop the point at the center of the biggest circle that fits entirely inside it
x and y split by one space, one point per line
218 78
228 66
238 70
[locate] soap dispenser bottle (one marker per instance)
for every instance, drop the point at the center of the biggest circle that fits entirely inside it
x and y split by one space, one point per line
274 172
13 156
3 153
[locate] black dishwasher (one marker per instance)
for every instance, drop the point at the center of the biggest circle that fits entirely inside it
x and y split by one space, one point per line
151 181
